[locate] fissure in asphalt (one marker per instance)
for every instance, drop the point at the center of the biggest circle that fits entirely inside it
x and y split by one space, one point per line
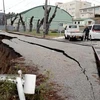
63 52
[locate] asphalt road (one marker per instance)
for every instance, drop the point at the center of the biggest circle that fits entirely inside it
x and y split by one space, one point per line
71 66
79 42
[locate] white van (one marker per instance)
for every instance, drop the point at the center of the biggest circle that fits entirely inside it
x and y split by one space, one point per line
72 31
94 31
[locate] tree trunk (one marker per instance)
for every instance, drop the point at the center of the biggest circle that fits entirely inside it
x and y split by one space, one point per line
39 24
18 25
38 29
23 23
47 28
13 20
24 27
31 26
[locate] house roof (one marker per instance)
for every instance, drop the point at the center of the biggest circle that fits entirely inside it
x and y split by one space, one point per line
41 6
82 19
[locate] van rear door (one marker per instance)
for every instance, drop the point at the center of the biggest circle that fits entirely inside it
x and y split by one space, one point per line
74 28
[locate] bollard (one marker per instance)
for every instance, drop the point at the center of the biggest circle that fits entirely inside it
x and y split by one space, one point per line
29 85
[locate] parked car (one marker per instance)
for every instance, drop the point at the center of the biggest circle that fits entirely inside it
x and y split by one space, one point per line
94 31
72 32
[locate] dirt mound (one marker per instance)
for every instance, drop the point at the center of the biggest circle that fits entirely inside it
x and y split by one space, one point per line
6 55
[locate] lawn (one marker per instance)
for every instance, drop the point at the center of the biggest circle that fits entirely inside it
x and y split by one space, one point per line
50 34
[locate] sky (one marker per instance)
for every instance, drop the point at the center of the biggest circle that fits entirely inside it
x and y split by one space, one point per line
22 5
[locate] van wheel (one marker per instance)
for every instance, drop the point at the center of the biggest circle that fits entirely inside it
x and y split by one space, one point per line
70 39
65 37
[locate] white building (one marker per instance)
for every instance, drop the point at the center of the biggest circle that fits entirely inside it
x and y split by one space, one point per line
89 12
83 22
73 7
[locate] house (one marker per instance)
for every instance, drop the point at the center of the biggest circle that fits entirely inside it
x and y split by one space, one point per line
73 7
83 21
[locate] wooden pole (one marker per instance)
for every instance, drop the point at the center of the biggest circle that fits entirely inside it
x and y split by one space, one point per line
45 17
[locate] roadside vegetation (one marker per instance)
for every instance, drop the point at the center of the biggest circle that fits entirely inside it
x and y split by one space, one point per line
44 89
51 34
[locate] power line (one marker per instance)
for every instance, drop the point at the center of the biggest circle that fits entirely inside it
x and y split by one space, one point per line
28 3
19 3
15 5
25 5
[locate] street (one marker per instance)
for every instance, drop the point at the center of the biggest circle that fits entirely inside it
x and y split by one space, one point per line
79 42
71 65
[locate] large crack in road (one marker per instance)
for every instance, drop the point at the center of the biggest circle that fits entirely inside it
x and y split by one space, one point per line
63 52
4 47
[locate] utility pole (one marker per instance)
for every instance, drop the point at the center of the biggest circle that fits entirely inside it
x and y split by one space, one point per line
45 17
94 10
5 22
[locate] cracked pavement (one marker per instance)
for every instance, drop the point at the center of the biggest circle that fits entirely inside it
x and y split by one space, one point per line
77 82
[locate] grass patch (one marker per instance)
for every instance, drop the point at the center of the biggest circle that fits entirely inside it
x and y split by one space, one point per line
51 34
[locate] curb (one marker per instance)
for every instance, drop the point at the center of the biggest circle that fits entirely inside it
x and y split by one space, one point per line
97 57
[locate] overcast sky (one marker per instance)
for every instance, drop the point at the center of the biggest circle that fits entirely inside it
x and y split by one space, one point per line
22 5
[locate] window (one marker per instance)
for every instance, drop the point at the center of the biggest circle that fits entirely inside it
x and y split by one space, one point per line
78 22
85 10
96 8
75 22
90 9
72 26
96 27
71 4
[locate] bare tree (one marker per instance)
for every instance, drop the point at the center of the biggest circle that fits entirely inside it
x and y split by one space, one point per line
31 24
18 25
39 24
13 20
23 23
48 21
